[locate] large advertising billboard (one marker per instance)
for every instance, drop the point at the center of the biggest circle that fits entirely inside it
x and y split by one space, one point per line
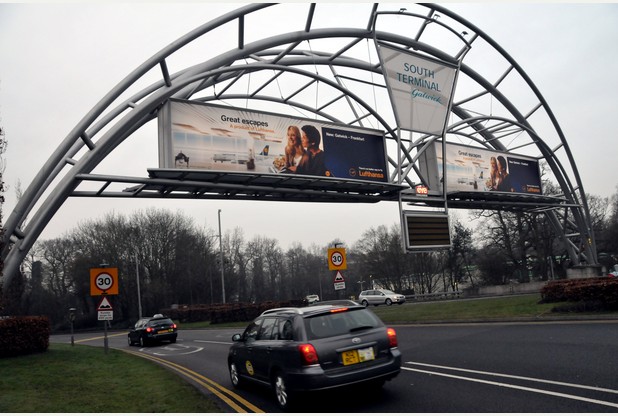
472 169
420 88
209 137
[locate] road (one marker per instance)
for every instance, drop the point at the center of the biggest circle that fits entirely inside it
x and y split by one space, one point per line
565 367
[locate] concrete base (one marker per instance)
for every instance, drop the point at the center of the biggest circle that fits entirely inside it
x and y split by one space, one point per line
580 272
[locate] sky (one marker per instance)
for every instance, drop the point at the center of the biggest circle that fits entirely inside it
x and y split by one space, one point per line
57 60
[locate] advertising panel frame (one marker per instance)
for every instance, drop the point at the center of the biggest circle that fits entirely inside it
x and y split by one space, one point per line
237 140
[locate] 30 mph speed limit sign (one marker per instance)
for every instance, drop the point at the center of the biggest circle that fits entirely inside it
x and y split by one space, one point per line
104 281
336 259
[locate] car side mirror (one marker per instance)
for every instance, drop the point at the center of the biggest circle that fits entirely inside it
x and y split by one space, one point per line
236 337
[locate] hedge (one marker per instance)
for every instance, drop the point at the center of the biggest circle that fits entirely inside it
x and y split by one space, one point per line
223 313
24 335
601 290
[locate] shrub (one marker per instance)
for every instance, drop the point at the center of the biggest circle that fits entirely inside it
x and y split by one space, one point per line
602 291
24 335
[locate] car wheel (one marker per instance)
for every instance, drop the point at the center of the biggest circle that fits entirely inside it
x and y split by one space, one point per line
142 342
282 394
235 376
130 342
173 340
365 303
388 302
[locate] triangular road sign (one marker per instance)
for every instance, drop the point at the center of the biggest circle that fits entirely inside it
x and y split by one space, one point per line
339 277
104 305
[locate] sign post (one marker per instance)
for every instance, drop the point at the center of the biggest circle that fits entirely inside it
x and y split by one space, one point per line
103 282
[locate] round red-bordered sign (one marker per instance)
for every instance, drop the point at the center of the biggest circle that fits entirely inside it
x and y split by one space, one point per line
104 281
336 257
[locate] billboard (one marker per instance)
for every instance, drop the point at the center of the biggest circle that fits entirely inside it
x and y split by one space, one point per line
209 137
472 169
420 89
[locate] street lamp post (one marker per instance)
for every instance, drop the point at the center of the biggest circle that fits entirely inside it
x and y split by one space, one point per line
135 231
221 260
139 293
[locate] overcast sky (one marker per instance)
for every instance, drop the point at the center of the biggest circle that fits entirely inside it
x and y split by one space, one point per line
58 60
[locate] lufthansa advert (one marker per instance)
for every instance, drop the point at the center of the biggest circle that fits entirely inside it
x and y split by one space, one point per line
471 169
210 137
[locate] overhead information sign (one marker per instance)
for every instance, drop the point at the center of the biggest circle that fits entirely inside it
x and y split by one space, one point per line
420 89
208 137
426 231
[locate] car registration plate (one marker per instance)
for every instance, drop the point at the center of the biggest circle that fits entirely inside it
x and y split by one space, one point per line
163 331
357 356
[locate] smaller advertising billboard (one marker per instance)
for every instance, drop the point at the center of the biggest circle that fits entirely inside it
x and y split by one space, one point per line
209 137
472 169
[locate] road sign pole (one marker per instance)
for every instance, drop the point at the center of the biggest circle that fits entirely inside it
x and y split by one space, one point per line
105 344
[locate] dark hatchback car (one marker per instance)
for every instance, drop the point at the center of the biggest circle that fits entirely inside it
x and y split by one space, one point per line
318 347
149 330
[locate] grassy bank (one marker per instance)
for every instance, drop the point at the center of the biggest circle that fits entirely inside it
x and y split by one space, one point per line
465 310
80 379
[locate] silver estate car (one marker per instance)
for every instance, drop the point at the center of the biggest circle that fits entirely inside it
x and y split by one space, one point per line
380 297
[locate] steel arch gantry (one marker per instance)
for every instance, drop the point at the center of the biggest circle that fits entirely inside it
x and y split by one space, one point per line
338 66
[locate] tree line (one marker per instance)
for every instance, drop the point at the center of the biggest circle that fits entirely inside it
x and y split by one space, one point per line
178 263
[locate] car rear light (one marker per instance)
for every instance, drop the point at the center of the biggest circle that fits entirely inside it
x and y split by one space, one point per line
338 310
308 354
174 326
392 337
149 329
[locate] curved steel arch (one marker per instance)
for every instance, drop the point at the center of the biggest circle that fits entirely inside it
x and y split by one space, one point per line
105 127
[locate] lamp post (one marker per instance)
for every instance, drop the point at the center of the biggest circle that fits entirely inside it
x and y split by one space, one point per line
139 293
135 231
221 260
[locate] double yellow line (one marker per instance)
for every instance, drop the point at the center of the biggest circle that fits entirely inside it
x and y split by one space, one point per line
233 400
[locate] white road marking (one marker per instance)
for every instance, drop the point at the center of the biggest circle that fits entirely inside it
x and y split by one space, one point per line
514 386
213 342
537 380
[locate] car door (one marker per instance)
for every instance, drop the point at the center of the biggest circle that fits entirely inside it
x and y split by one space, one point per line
374 297
244 350
135 332
263 347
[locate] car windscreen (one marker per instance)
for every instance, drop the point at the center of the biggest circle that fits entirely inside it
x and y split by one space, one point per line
339 323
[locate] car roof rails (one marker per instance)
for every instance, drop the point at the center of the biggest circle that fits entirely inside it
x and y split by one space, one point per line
277 310
338 302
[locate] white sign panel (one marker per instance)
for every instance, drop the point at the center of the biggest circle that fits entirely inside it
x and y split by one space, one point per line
106 315
420 88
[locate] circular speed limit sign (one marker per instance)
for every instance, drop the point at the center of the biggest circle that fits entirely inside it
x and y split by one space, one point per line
336 259
104 281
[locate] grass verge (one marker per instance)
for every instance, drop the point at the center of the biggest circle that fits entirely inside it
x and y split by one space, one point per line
520 307
80 379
